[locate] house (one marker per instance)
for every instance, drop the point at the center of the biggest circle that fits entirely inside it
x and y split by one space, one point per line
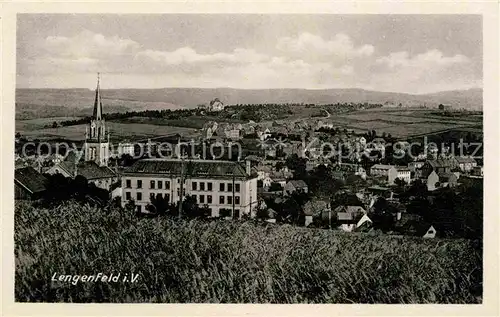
295 186
477 171
413 166
388 172
351 221
264 135
439 165
350 169
431 181
222 185
29 184
100 176
125 148
377 144
271 215
414 225
315 208
465 164
215 105
404 173
447 179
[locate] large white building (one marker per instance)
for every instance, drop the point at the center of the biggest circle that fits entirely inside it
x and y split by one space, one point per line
227 187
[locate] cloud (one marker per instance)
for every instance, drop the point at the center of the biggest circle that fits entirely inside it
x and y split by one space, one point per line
303 61
312 47
89 44
431 58
426 72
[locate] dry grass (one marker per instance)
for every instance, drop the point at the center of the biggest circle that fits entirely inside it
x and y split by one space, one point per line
222 262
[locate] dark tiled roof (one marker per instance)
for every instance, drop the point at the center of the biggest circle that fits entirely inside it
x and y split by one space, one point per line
193 168
446 176
30 179
382 167
463 160
298 183
90 170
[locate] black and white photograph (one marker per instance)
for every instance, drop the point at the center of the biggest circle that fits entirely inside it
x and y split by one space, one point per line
249 158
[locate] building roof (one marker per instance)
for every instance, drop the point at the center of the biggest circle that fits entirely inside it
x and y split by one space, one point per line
464 160
350 209
444 177
402 169
30 179
345 216
440 162
382 166
298 183
316 206
90 170
192 168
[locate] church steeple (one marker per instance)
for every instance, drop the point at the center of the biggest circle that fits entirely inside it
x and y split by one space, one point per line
97 115
96 144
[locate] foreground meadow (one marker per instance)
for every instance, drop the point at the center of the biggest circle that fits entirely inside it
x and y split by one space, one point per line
230 261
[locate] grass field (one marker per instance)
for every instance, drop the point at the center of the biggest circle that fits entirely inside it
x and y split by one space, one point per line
231 262
130 131
36 124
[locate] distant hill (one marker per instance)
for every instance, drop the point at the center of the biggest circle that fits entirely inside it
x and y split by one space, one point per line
175 98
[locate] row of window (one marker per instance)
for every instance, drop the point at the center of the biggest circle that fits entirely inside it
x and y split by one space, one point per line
202 199
194 185
152 184
222 186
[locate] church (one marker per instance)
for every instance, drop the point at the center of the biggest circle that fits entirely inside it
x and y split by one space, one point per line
96 152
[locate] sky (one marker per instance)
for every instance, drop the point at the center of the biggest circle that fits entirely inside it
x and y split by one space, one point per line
399 53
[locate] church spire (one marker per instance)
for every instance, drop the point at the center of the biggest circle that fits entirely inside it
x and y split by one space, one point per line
97 102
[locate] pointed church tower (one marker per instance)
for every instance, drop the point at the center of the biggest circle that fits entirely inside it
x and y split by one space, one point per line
96 141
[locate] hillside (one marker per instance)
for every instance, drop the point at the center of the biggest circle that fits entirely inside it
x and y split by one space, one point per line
174 98
231 261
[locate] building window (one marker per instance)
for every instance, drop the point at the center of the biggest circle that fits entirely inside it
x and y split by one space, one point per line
202 199
152 184
209 185
151 196
237 200
229 187
195 198
139 208
139 183
127 195
221 200
229 200
139 196
202 186
129 183
167 184
237 188
221 187
194 186
209 199
167 198
160 184
236 214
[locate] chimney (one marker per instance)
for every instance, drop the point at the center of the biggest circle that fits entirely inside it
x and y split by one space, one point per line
248 167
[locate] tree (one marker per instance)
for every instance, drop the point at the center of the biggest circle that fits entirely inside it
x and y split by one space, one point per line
275 187
160 204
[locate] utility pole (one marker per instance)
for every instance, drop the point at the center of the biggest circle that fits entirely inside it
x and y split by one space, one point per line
233 194
181 191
